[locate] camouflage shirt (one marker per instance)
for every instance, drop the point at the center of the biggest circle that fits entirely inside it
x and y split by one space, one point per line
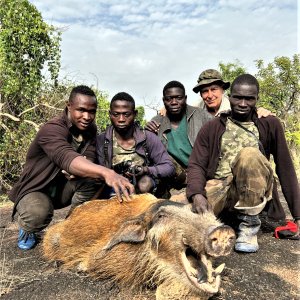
233 140
121 154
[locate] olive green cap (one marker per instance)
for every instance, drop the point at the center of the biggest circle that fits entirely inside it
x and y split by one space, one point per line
208 77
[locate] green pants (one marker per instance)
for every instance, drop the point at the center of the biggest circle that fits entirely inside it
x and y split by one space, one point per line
249 187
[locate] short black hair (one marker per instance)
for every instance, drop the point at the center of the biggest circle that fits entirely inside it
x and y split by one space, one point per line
81 89
173 84
123 96
245 79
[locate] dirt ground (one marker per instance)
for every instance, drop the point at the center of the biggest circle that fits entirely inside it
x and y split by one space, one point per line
272 273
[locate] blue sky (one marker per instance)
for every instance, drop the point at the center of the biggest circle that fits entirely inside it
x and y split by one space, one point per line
137 46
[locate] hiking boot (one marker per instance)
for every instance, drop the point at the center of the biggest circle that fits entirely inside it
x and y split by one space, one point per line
247 234
26 240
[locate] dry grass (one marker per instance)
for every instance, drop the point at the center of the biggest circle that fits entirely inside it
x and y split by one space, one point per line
6 270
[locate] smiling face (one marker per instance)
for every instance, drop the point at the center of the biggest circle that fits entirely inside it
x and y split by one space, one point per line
175 101
122 115
243 99
212 96
82 111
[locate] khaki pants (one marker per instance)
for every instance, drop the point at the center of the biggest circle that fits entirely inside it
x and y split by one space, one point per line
249 187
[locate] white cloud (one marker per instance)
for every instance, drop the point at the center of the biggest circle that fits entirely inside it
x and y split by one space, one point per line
138 46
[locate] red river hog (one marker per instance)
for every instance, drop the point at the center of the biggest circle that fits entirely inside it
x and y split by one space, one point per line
146 242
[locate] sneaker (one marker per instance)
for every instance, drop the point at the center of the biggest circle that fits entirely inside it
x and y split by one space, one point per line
26 240
249 245
247 234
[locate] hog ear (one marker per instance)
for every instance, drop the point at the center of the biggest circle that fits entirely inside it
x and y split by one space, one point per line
133 231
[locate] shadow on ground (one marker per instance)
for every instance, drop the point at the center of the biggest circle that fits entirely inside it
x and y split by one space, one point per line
272 273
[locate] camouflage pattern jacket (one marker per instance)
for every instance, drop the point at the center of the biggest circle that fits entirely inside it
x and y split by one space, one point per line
160 165
205 156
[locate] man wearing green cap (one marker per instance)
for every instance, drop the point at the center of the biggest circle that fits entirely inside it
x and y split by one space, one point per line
212 87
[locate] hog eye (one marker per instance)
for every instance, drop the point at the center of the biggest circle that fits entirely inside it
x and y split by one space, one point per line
161 215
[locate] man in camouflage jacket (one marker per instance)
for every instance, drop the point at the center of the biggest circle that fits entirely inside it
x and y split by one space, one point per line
229 168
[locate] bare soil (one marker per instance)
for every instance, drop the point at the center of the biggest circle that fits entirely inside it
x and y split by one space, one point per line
272 273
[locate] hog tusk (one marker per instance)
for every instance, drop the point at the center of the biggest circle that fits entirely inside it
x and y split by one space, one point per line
209 269
219 269
204 258
193 271
202 275
211 288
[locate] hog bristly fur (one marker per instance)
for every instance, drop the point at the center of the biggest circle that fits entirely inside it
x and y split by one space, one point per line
136 243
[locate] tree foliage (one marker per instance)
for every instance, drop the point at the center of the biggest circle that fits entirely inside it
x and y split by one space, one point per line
231 70
29 51
141 115
102 117
280 85
28 47
280 92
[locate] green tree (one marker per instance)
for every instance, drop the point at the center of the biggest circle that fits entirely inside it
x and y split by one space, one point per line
102 117
280 85
231 70
280 92
141 115
28 46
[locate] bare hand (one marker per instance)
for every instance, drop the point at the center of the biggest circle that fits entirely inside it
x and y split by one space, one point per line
263 112
120 184
200 204
152 126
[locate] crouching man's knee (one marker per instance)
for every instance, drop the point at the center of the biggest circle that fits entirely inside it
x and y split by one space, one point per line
249 157
252 181
34 212
145 184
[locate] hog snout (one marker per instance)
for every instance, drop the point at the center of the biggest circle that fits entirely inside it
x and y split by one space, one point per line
220 241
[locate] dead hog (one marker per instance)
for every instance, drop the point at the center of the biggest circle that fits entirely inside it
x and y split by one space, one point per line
144 242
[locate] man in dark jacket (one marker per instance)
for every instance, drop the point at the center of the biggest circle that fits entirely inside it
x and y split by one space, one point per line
229 168
133 152
60 168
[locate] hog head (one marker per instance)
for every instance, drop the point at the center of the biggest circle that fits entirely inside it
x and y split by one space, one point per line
166 244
